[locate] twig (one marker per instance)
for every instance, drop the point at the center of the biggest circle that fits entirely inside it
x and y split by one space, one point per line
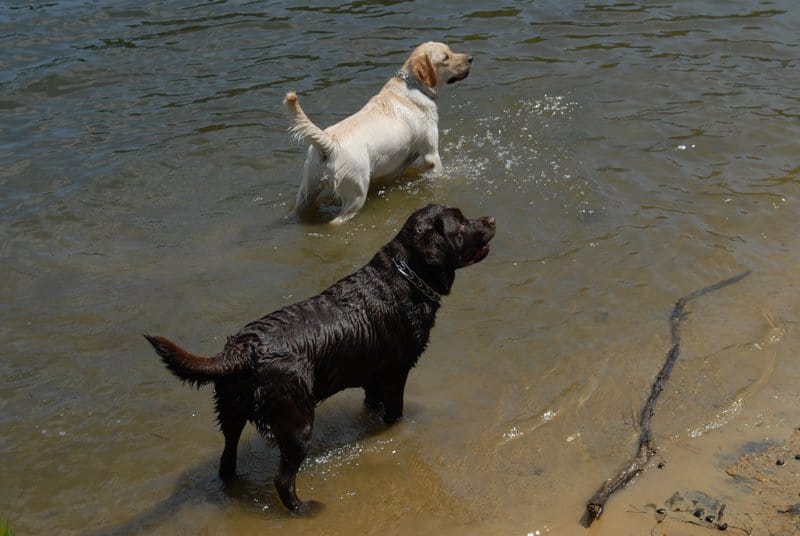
646 449
635 510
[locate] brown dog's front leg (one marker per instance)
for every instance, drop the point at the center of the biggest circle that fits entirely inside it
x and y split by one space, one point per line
393 398
373 396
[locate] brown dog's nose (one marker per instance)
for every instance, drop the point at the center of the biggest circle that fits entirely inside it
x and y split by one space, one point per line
469 60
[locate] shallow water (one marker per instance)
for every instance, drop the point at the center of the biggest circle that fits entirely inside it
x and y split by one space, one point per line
631 153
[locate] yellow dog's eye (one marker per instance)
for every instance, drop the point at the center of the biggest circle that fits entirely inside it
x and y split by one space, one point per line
446 57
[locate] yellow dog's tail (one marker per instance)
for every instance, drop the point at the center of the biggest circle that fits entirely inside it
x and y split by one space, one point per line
304 128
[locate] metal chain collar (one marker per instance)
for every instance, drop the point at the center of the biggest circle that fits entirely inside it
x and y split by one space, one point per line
412 82
416 280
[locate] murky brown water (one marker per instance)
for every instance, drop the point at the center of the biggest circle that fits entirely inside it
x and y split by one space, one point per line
631 153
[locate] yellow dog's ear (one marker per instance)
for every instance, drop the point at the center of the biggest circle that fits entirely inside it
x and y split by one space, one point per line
423 70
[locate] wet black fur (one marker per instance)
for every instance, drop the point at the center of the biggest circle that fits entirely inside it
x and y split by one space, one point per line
367 330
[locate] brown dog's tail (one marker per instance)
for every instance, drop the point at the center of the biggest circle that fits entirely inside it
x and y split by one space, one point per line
304 128
190 368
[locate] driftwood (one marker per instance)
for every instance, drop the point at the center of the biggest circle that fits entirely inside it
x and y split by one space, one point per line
646 449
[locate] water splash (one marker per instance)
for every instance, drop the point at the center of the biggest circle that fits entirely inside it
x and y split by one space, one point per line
524 148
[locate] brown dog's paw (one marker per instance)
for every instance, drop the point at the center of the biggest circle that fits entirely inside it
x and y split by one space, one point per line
308 509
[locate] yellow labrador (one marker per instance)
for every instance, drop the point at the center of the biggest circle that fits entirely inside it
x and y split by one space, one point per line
395 130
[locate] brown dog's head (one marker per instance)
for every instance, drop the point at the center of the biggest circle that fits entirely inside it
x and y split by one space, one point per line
442 239
435 65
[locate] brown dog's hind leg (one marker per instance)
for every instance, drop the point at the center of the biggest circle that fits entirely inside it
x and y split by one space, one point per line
231 417
232 425
292 431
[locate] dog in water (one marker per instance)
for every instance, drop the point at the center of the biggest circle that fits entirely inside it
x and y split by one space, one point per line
367 330
397 129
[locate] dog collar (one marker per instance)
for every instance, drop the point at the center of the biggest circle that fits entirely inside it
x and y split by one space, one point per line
406 271
413 83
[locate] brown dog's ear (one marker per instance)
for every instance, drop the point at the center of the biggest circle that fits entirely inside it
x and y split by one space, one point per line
423 70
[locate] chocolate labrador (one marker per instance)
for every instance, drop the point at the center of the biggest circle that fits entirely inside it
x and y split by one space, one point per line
367 330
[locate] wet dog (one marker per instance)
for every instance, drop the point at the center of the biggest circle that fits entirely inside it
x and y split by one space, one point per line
397 129
367 330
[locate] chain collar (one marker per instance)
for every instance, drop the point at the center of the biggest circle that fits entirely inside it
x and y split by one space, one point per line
416 280
413 83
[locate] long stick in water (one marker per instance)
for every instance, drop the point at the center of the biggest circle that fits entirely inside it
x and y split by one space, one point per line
646 449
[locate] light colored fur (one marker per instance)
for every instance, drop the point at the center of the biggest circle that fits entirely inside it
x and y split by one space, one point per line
397 129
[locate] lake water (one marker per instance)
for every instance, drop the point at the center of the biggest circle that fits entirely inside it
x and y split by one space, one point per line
630 152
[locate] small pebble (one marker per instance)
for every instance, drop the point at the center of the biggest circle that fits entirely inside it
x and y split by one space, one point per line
722 526
662 464
699 512
710 518
779 462
661 511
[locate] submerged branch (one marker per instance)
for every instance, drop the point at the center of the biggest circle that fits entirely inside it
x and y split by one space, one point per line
646 449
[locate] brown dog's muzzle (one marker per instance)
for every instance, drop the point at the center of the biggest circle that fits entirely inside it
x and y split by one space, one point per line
485 229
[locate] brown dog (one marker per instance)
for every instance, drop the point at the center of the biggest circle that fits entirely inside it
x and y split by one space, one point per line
367 330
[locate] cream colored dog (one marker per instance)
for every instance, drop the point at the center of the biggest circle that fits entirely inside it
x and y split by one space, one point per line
395 130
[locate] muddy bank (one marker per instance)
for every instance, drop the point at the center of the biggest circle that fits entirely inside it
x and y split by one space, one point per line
772 477
755 494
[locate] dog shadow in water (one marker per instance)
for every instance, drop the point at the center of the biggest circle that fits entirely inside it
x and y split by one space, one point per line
343 424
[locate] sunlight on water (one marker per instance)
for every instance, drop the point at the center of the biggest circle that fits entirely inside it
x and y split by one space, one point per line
720 420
